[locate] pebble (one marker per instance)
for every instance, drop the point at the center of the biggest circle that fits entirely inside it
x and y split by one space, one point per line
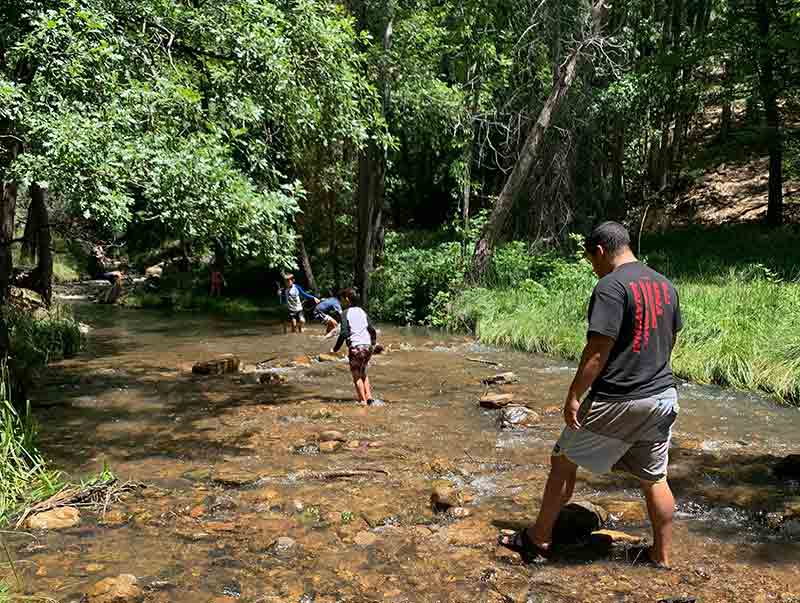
122 589
328 447
332 436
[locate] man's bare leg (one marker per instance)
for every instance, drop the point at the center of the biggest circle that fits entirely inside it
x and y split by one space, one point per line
557 492
300 325
660 507
294 326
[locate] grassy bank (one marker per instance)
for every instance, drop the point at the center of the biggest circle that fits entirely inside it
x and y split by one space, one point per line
739 289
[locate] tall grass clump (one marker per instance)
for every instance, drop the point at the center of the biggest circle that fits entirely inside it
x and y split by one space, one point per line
24 476
39 337
739 326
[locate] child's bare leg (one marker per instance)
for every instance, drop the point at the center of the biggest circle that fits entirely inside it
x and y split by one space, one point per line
361 390
294 325
300 324
367 388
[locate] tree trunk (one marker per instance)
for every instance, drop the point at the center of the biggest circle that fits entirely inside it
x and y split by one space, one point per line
305 263
371 186
44 254
528 156
769 95
618 172
333 242
8 208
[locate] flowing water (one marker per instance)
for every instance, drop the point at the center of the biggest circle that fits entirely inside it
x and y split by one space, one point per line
230 464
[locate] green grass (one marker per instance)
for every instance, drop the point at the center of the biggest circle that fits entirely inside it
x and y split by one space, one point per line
739 315
24 476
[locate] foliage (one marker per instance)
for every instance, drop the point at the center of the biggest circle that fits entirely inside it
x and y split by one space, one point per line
37 339
191 301
24 476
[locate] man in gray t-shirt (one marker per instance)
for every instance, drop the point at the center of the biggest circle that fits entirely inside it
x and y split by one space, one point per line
625 422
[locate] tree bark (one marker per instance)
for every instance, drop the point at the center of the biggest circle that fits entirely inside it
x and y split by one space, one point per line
305 263
371 186
44 254
529 154
8 208
333 242
769 95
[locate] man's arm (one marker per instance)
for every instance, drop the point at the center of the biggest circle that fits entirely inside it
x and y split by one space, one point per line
593 361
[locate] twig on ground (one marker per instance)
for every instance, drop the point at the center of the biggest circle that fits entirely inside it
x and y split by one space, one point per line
482 361
340 473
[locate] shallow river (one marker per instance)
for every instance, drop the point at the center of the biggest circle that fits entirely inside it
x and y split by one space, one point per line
229 466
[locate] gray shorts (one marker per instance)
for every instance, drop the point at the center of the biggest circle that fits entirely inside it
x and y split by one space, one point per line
631 436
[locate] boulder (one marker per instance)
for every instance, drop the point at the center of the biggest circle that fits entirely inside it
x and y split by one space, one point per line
500 379
328 447
328 358
218 366
332 436
517 417
493 400
788 467
122 589
57 519
577 521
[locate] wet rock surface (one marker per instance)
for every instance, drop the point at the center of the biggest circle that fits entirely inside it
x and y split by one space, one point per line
495 400
57 519
217 366
122 589
517 417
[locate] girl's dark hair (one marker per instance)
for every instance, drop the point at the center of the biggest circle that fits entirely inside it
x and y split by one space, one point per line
350 295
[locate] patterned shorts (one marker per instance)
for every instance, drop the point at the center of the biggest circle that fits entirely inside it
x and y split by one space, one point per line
359 359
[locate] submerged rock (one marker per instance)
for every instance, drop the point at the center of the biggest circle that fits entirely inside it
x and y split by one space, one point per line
500 379
122 589
218 366
517 417
283 546
365 538
328 358
301 361
577 521
492 400
633 511
57 519
234 477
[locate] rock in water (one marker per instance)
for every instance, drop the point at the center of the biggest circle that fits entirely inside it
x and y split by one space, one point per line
609 538
301 361
500 379
328 358
218 366
272 379
492 400
332 435
57 519
517 417
444 496
577 521
788 468
331 446
630 511
122 589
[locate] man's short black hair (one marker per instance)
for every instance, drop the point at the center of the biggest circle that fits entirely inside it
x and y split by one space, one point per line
613 237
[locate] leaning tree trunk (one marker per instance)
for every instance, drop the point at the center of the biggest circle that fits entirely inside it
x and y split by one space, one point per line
769 95
37 215
8 207
529 154
305 263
